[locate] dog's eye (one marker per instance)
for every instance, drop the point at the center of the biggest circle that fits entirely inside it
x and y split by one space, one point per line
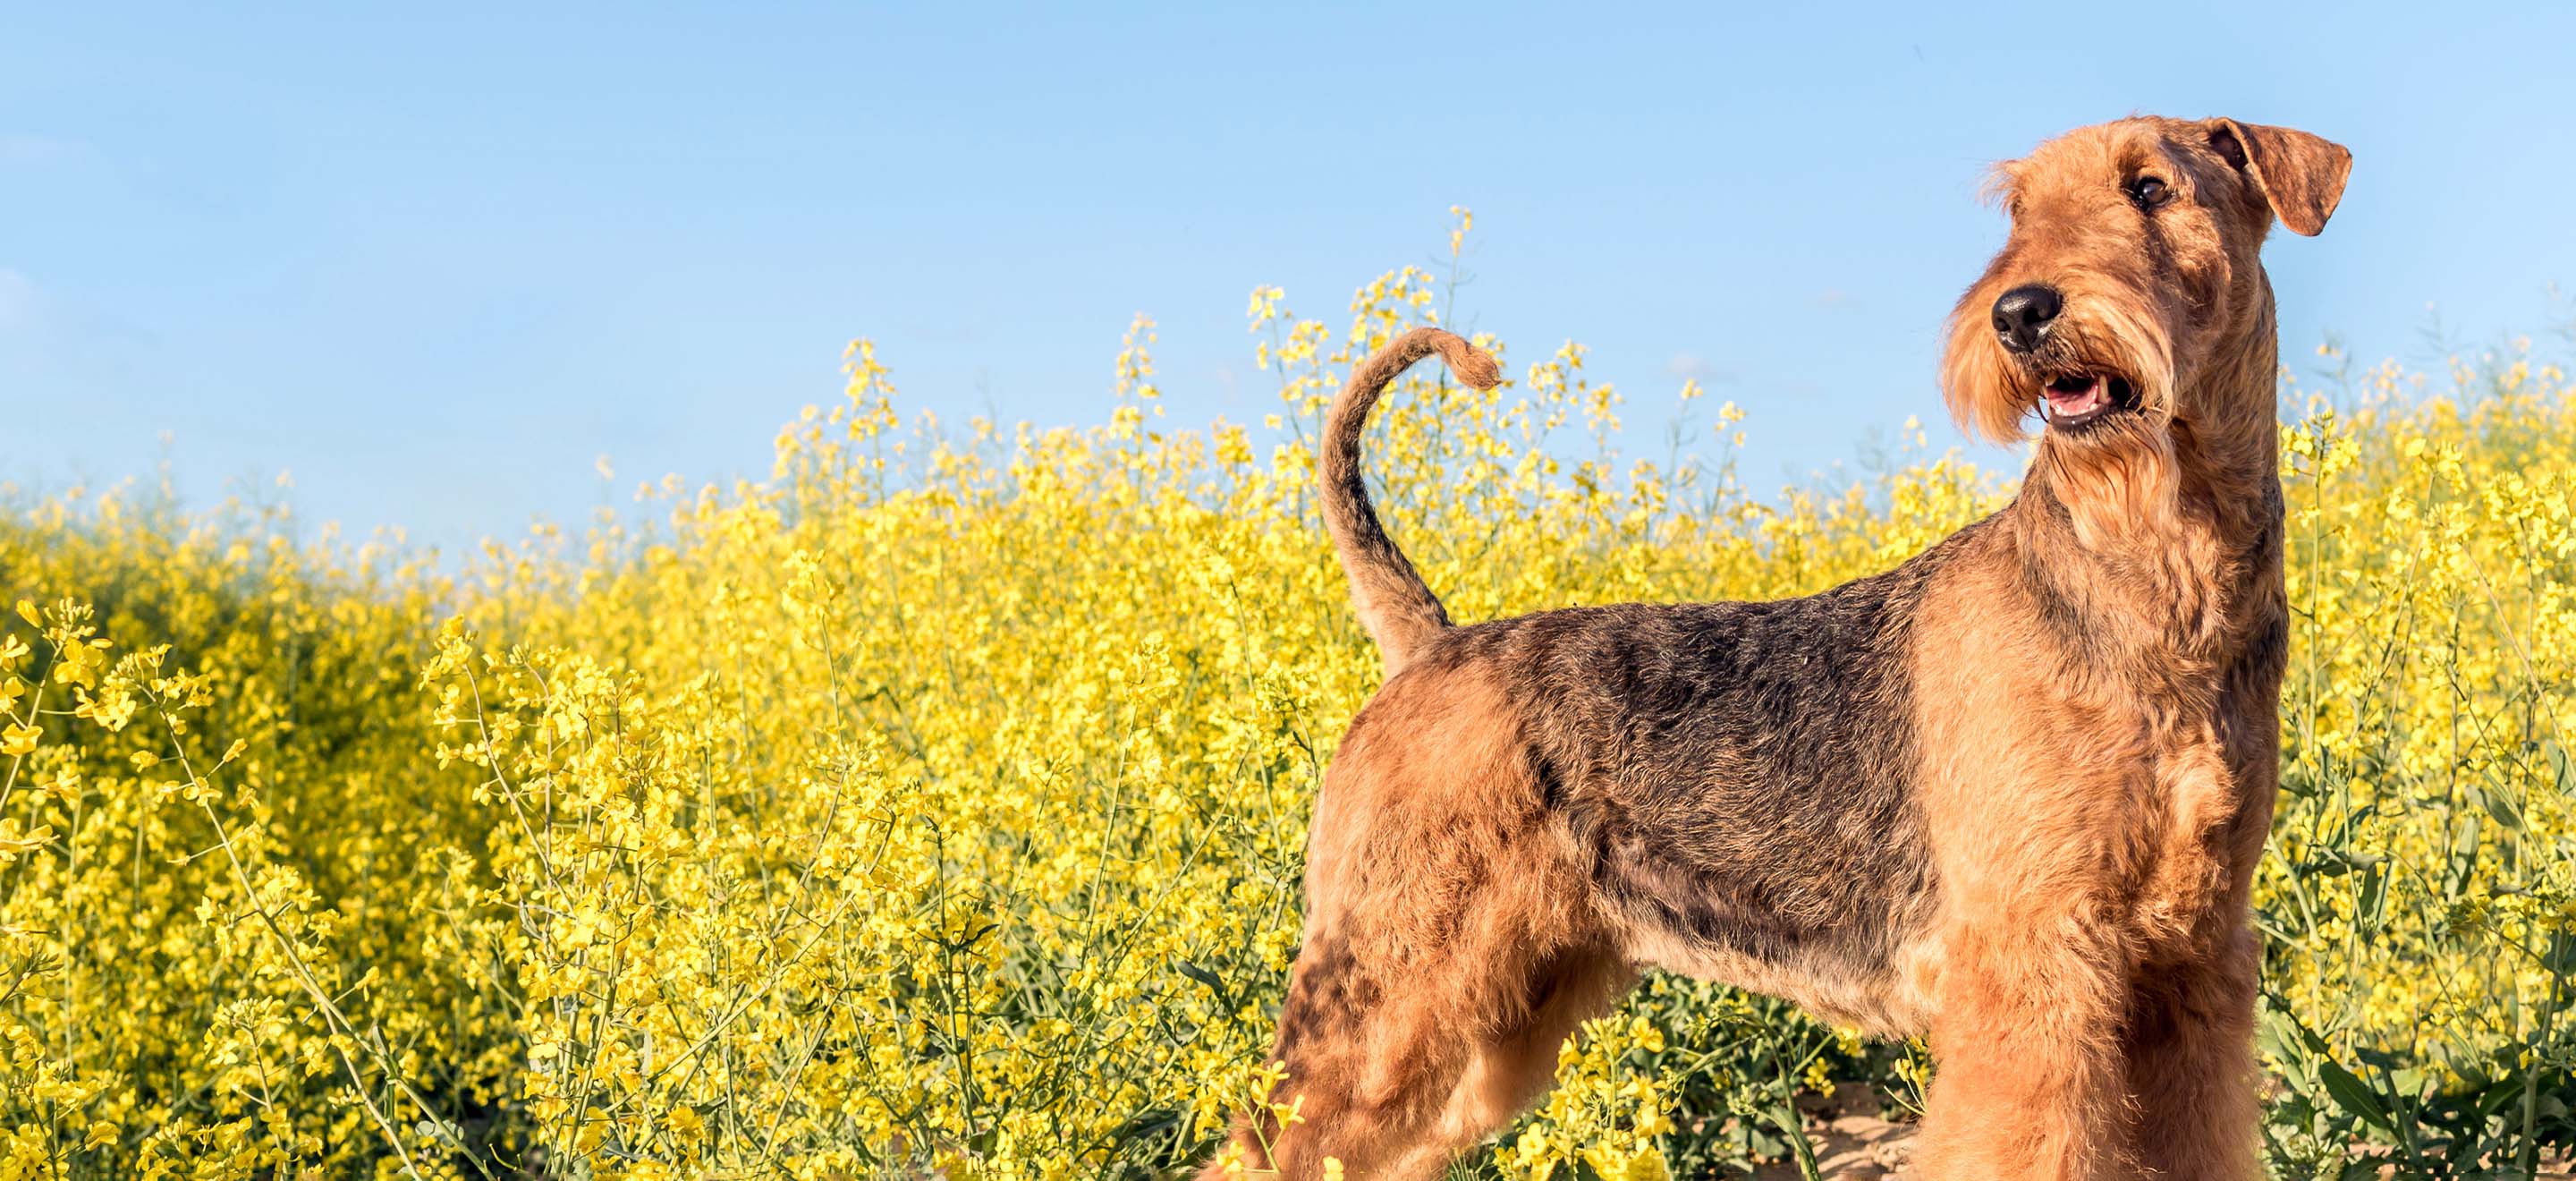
2148 192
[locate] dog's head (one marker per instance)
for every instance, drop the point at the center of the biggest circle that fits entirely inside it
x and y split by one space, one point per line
2131 279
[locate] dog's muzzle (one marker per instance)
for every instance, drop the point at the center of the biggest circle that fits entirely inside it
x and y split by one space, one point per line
2024 315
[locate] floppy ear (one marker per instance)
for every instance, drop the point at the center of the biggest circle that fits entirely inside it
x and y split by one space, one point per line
2302 175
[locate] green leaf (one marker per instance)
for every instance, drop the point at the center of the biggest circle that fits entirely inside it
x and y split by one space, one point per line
2289 1022
1785 1118
1151 1122
2505 1091
1215 983
2353 1095
2502 809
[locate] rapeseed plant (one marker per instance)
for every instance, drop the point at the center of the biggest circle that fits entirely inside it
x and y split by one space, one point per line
937 805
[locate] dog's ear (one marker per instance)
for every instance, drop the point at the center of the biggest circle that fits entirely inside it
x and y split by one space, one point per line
2302 175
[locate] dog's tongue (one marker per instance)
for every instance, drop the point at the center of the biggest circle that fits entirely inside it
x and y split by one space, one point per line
2069 397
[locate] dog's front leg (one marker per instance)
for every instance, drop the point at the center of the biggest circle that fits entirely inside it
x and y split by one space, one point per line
2191 1063
2029 1081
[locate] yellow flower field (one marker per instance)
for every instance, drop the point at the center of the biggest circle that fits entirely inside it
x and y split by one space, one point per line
936 806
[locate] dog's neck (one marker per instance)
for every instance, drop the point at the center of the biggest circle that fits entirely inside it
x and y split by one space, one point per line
2170 550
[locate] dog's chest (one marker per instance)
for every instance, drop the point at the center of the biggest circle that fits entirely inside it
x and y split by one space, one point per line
2203 803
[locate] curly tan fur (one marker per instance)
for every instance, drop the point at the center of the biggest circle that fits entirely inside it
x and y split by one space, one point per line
2009 794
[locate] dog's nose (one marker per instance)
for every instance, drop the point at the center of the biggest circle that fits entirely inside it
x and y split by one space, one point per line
2023 315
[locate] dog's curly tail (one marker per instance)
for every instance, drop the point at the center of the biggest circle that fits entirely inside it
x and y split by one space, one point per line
1399 611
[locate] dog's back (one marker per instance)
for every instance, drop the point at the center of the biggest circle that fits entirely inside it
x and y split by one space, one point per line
1736 780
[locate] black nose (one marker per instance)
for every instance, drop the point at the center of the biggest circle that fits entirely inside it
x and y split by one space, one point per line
2023 316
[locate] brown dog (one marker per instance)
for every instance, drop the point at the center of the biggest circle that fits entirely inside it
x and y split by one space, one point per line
2010 793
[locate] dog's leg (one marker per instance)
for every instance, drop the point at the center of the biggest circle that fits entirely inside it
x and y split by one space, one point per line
1450 943
1511 1067
1393 1073
2029 1082
1371 1057
2191 1064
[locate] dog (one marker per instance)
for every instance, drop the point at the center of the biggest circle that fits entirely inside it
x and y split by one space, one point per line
2009 795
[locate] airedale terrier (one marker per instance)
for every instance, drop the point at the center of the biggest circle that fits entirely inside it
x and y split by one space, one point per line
2010 793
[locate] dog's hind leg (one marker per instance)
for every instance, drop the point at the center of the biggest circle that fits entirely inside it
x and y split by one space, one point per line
1512 1066
1394 1069
1451 942
1398 1087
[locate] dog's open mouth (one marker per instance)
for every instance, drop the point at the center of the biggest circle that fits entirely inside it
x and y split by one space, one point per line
2073 400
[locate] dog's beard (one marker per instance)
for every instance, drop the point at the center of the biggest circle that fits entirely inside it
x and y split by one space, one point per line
2113 466
2118 480
2000 394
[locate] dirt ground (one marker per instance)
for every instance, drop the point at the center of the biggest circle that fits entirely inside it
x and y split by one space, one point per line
1851 1141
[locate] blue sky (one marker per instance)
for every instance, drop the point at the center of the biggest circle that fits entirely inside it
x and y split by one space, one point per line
436 262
